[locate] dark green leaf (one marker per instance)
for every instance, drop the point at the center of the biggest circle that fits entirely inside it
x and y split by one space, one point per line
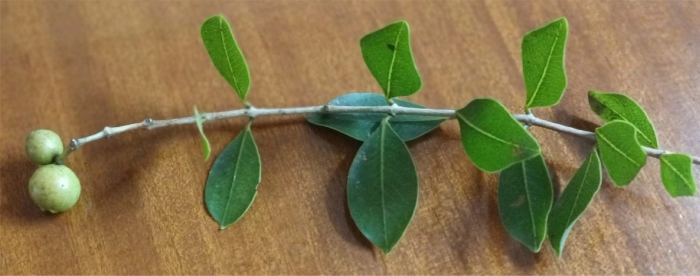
383 188
387 53
492 138
677 174
574 201
613 106
543 63
620 151
206 148
361 125
224 52
524 200
233 180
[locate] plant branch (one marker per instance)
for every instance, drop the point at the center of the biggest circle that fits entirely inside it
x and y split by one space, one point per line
252 112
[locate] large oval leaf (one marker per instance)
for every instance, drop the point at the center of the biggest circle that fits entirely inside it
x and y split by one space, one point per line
224 52
543 64
233 180
620 151
361 125
383 188
387 53
677 174
492 138
613 106
524 200
574 201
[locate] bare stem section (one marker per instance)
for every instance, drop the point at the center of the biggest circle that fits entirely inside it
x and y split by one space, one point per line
392 110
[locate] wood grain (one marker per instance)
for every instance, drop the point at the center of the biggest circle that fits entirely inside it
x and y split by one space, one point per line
77 66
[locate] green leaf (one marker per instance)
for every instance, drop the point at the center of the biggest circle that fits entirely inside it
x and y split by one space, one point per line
524 200
492 138
613 106
383 188
233 180
224 52
543 63
677 174
387 53
574 201
206 148
361 125
620 151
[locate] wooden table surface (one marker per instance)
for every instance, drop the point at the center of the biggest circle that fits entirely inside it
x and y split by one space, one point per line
77 66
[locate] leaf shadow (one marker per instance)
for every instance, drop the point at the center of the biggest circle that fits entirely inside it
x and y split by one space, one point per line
16 204
581 147
338 214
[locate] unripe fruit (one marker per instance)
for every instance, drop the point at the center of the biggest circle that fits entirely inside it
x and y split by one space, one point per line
55 188
43 145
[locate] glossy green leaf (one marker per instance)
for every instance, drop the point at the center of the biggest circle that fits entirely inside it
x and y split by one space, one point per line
233 180
613 106
206 148
677 174
224 52
524 200
361 125
543 63
383 188
387 53
620 151
576 197
492 138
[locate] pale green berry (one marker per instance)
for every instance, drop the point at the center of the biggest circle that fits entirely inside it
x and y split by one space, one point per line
55 188
43 145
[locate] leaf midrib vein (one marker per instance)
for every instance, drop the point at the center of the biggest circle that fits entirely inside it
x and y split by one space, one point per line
529 203
393 61
627 120
618 150
235 174
491 135
685 181
546 67
578 192
228 59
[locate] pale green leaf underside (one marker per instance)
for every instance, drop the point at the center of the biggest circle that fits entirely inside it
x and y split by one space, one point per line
613 106
383 188
206 147
387 54
524 200
620 151
224 52
573 201
492 138
677 175
233 180
361 125
543 64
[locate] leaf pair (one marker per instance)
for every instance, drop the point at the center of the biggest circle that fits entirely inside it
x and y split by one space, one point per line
235 175
621 141
361 125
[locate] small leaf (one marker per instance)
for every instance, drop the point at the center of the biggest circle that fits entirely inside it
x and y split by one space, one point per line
387 53
620 151
492 138
613 106
524 200
224 52
383 188
574 201
233 180
361 125
543 63
677 174
206 148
